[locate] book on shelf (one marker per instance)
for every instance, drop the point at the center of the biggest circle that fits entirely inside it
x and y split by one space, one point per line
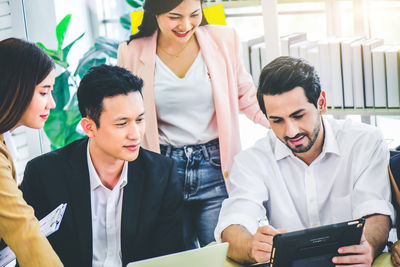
336 72
255 55
247 50
367 46
294 49
392 76
379 76
347 72
357 70
299 49
290 39
312 56
304 47
324 70
263 56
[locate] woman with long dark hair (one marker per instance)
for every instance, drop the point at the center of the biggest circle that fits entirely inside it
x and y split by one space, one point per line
194 86
26 80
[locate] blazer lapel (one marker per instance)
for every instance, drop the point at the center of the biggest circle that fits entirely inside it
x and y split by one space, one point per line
80 204
147 57
131 203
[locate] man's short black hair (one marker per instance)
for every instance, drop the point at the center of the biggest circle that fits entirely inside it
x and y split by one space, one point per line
101 82
284 74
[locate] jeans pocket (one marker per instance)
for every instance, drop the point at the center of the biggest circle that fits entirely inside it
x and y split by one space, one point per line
214 158
215 162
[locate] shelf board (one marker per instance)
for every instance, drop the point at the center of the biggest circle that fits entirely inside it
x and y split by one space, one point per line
364 111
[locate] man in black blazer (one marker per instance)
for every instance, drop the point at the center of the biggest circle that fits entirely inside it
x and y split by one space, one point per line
124 203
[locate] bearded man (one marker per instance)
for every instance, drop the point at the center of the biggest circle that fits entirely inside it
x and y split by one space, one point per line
309 170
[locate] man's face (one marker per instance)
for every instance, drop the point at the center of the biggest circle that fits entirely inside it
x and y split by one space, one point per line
121 128
294 120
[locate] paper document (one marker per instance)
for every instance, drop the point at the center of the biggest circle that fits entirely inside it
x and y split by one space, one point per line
48 225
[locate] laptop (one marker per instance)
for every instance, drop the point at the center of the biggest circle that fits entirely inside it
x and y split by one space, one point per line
210 256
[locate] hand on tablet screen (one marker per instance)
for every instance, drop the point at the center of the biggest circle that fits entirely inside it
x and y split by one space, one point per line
262 242
360 255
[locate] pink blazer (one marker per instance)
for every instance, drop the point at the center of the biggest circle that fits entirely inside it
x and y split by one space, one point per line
233 88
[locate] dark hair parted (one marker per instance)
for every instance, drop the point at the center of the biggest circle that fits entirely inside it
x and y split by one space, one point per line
104 81
23 65
284 74
153 8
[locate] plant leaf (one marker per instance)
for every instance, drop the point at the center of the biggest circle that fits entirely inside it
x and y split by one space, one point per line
61 30
103 48
108 46
54 55
83 69
55 128
66 49
48 51
125 21
61 92
136 3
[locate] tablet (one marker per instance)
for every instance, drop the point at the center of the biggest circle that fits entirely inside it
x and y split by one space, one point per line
314 247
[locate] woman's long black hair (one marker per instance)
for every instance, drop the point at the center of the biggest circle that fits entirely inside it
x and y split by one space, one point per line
23 65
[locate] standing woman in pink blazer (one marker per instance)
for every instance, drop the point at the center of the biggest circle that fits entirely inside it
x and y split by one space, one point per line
194 86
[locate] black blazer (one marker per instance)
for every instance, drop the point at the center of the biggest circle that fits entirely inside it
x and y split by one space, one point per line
151 221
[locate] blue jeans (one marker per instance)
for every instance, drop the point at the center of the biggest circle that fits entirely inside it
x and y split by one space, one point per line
199 168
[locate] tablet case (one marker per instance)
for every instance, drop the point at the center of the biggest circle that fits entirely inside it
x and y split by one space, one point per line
314 247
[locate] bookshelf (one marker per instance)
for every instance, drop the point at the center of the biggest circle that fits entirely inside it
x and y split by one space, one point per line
364 111
345 88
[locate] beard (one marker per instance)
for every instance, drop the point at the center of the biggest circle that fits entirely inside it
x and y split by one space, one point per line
312 138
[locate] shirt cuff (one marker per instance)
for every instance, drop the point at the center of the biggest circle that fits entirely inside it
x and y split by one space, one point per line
374 207
235 218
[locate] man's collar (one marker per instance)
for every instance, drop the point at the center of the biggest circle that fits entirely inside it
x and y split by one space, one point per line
95 181
330 144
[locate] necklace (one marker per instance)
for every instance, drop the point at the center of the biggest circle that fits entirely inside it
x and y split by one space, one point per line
179 52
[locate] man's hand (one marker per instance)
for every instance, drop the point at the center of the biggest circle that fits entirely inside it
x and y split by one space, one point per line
261 243
362 254
396 254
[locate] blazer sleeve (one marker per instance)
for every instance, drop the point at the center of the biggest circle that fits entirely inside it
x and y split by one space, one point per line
169 234
248 103
18 226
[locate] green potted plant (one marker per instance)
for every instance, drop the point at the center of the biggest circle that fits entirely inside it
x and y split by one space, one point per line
61 126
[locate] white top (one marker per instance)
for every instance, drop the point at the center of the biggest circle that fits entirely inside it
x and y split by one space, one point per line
185 106
106 207
348 180
10 144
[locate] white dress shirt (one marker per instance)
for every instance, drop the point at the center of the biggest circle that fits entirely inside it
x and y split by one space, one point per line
348 180
106 207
